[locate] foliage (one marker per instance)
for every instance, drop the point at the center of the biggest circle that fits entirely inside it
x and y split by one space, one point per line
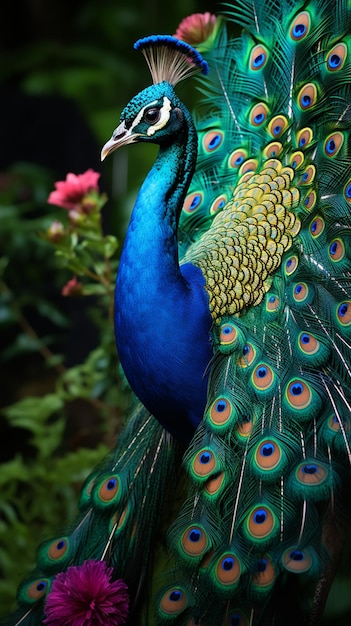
39 485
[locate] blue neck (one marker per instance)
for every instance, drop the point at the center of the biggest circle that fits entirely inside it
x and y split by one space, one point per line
162 319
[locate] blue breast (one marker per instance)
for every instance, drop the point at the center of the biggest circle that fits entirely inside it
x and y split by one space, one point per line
165 351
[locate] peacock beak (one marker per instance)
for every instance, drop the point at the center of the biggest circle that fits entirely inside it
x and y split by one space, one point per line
121 136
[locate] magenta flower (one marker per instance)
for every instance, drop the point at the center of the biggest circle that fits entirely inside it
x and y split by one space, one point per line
196 28
85 596
71 193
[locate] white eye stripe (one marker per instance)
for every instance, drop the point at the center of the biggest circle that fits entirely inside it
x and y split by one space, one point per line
164 117
140 115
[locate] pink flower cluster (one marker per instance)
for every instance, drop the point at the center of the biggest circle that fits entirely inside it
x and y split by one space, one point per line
85 596
196 28
70 193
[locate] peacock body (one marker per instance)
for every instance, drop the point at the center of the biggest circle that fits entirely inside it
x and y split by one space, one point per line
233 323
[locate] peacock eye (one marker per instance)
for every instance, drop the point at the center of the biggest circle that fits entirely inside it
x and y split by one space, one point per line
152 116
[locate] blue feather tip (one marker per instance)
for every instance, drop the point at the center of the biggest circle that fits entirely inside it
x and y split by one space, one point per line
170 58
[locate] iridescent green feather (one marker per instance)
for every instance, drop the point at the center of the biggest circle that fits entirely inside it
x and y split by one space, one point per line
279 392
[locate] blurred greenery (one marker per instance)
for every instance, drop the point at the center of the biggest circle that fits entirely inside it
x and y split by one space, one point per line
67 70
60 410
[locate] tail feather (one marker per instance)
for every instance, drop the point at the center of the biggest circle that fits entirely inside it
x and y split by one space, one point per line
119 519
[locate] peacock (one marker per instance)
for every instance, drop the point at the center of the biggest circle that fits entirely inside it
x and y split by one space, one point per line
226 499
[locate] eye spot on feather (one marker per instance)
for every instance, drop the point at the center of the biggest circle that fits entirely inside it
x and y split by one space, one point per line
214 484
311 474
343 313
300 292
296 159
277 126
297 561
258 58
109 489
334 423
304 137
290 265
228 569
260 523
221 412
308 176
265 574
336 250
204 463
218 204
193 201
300 27
272 150
248 167
272 303
57 549
237 158
298 394
258 114
212 140
236 618
248 355
194 541
347 191
310 200
333 144
317 227
174 601
37 590
307 96
308 344
336 57
263 377
268 455
228 334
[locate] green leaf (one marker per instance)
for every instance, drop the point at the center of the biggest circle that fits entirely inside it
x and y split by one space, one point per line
32 412
110 245
94 289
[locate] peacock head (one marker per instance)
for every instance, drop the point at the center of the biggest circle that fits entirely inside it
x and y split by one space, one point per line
156 113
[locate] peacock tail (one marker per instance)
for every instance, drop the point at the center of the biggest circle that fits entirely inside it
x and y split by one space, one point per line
233 325
122 497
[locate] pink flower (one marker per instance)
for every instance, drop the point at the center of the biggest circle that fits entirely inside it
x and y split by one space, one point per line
72 288
196 28
85 596
70 193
